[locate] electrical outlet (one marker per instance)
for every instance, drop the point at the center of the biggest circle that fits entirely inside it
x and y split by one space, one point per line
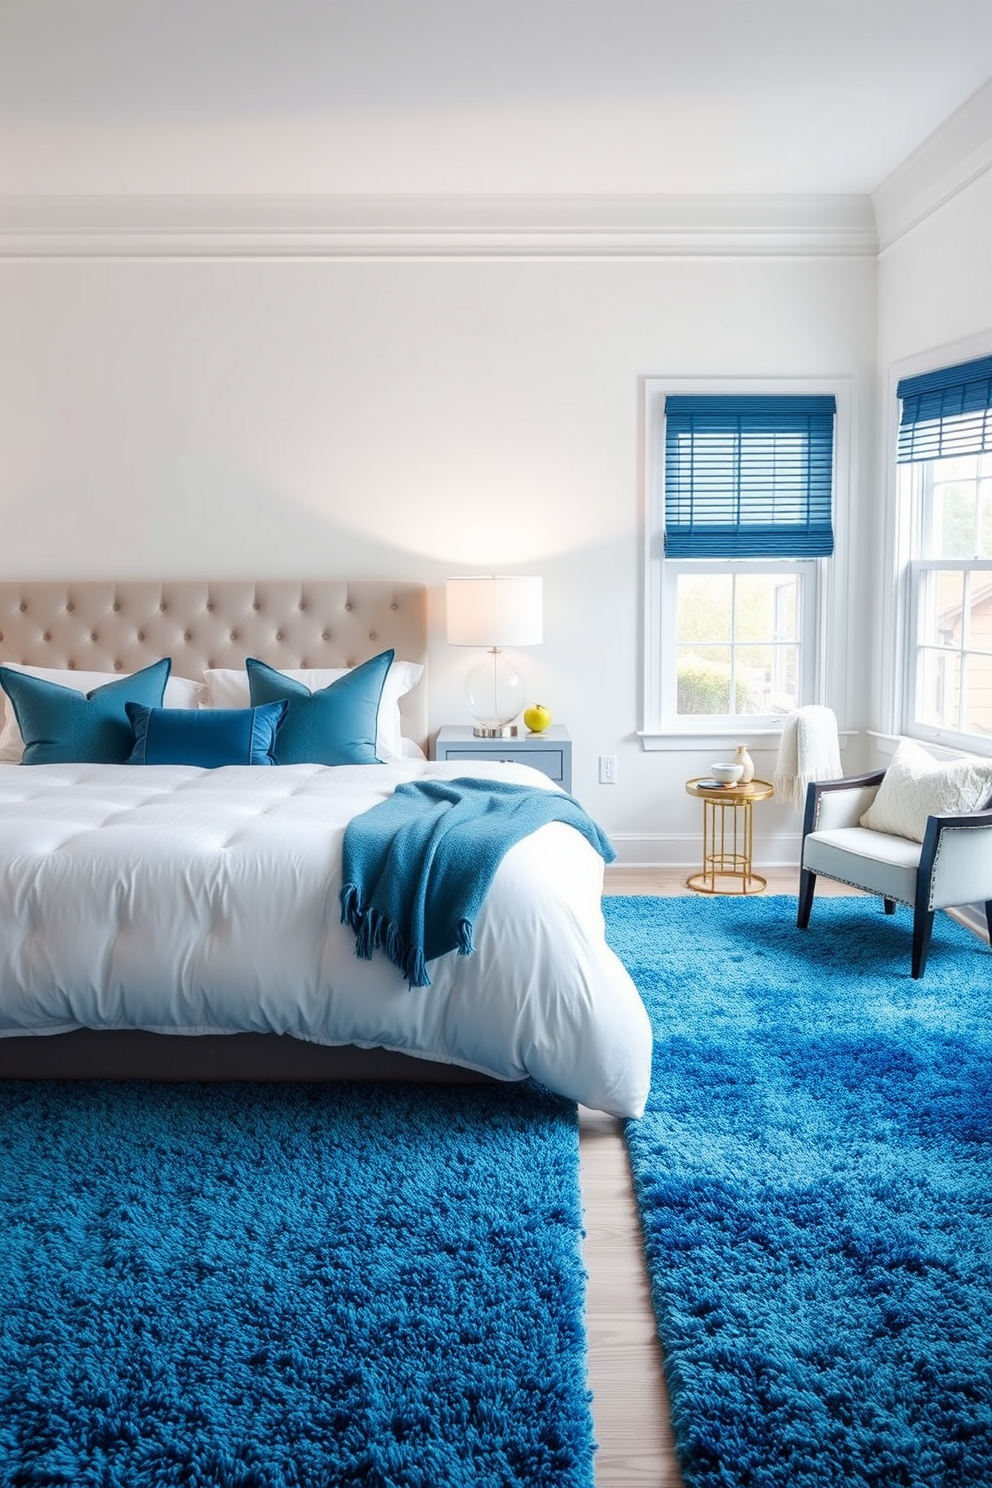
607 769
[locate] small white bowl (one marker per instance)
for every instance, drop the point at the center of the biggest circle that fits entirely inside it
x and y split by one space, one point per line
726 774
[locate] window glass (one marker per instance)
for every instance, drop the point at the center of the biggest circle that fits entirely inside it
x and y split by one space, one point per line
950 675
738 652
705 607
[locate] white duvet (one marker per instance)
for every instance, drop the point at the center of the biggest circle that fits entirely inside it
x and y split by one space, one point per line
193 901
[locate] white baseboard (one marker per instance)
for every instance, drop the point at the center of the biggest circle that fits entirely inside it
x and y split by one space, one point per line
684 849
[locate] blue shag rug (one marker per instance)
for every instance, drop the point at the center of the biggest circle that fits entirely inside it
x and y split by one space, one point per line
290 1287
814 1176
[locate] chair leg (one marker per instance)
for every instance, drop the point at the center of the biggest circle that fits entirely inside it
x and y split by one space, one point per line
988 918
922 927
890 906
807 884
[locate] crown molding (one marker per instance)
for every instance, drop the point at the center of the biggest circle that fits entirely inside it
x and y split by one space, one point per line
945 164
274 227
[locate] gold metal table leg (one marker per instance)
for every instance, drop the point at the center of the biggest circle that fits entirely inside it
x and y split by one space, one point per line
728 840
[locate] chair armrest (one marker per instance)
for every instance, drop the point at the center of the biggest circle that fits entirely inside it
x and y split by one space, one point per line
956 860
839 803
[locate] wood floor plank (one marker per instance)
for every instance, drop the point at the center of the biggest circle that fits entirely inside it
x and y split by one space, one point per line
626 1373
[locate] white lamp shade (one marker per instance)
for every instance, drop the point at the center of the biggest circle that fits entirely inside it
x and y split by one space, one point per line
495 611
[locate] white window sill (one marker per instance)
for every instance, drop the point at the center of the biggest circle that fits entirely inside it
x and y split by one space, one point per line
889 743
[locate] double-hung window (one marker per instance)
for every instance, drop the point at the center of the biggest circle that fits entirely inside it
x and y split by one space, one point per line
742 522
945 488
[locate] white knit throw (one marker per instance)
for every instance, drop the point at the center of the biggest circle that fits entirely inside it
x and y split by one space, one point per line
809 750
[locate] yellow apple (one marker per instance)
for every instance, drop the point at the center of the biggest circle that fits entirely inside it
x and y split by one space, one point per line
537 717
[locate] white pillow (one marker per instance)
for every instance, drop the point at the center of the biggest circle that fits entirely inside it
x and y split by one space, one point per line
227 687
180 692
916 786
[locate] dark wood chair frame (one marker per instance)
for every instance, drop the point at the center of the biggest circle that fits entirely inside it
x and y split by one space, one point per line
936 826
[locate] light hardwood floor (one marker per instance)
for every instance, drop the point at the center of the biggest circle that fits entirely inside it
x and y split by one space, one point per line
630 1401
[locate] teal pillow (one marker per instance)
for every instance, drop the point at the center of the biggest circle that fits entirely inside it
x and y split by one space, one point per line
208 737
335 725
60 726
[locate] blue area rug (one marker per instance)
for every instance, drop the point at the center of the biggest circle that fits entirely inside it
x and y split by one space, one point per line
290 1287
814 1175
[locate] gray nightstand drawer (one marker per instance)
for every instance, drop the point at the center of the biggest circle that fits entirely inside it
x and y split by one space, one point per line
550 761
550 752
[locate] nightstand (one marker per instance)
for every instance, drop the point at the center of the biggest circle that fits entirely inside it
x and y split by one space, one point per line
550 752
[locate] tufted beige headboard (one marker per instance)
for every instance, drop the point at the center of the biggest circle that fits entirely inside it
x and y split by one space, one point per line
122 625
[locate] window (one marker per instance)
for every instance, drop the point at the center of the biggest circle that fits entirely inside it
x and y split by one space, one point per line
742 524
945 487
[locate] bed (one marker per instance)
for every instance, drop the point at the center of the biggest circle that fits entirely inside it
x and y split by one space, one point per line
168 921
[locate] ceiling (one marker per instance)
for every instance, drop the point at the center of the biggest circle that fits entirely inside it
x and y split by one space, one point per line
379 97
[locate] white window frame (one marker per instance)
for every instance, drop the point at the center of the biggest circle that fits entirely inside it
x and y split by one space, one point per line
916 489
824 579
809 571
902 538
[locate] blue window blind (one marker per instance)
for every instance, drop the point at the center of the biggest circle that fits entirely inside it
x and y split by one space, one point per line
749 477
947 412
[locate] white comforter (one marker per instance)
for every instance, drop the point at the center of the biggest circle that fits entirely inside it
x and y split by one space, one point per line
206 901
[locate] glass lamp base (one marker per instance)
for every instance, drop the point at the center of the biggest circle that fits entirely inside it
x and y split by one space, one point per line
494 693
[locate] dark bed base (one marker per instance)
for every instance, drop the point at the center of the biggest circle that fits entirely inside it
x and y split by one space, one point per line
131 1054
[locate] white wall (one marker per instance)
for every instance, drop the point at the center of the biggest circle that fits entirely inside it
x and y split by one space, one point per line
935 285
412 419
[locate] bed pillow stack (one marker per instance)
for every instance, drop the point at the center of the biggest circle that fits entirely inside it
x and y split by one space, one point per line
228 687
64 725
334 725
331 716
180 692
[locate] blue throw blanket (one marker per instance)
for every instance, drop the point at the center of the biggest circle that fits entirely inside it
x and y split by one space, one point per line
416 868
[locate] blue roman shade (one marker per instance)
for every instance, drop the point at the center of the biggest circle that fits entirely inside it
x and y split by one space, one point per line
749 477
947 412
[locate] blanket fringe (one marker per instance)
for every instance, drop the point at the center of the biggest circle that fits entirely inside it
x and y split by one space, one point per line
351 912
464 932
374 932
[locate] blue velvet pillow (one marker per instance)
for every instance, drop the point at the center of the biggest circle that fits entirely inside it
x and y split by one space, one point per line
335 725
208 737
60 726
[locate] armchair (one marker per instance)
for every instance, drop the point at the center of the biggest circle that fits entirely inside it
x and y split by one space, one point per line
951 866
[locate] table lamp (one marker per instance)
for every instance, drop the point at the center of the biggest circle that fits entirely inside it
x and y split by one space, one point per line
494 611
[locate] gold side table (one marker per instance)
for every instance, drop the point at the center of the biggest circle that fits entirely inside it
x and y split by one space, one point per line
728 836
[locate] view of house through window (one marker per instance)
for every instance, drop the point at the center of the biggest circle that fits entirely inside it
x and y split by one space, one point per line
951 687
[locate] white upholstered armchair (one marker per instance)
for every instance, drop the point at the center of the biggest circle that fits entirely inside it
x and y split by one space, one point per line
948 863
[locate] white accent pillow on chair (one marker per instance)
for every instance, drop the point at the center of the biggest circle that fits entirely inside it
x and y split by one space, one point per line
916 786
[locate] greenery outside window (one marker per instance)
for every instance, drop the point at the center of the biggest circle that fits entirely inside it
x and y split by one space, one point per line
739 629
